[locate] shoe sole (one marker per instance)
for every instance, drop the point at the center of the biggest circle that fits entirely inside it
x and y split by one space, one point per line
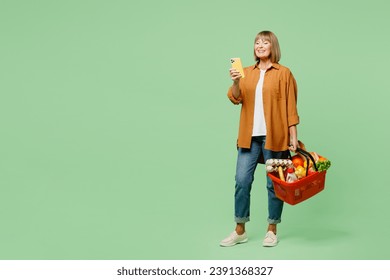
230 245
270 244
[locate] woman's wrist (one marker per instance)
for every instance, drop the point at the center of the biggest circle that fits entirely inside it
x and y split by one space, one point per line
236 89
293 137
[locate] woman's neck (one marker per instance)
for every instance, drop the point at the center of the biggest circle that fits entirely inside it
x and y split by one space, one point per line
264 64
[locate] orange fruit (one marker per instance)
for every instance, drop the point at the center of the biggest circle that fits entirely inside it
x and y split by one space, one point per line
297 161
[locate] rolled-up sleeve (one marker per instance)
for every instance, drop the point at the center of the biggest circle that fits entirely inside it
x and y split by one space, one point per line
234 100
292 96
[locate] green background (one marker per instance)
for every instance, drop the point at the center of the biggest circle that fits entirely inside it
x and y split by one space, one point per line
118 141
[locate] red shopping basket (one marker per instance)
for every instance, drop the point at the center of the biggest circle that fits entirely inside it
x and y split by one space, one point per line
300 190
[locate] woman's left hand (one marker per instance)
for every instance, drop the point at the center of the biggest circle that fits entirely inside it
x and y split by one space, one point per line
293 145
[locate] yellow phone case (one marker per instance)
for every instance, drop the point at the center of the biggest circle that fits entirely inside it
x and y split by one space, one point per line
236 64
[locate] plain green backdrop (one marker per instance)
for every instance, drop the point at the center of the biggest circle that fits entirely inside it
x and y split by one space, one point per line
117 140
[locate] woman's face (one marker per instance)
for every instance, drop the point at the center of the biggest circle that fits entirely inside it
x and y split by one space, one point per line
263 48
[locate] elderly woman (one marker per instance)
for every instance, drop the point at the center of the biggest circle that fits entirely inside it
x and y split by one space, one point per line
268 98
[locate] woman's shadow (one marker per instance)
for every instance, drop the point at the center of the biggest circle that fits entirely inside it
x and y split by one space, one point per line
315 234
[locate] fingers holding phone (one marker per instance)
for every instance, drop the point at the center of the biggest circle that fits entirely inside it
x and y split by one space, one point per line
235 74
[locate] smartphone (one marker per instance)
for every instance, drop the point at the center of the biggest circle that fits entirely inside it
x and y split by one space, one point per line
236 64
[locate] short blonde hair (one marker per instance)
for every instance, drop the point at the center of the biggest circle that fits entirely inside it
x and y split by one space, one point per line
275 48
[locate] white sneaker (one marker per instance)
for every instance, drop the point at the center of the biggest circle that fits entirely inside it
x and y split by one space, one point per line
234 239
270 239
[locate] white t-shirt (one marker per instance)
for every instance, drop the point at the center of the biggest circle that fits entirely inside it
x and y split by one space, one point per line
259 128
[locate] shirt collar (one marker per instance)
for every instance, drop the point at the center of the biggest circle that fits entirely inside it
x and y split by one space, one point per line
274 65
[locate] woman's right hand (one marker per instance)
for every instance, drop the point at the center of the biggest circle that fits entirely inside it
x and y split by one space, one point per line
235 75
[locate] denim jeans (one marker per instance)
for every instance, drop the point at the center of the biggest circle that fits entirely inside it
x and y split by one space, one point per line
247 161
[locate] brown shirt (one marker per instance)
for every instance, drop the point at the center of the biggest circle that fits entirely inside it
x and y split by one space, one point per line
279 102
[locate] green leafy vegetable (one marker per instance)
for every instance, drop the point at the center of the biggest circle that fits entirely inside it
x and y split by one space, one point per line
323 165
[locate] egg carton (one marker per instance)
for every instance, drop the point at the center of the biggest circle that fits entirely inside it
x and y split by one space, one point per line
272 164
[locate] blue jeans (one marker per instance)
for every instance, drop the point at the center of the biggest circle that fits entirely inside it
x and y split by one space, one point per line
247 161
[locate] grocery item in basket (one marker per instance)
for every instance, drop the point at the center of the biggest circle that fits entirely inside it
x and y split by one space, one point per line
316 163
271 165
291 176
300 171
297 160
281 174
323 164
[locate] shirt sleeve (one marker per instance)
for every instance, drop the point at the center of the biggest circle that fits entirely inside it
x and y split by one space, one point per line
234 100
292 95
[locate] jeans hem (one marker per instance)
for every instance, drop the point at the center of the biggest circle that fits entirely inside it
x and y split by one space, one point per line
241 220
272 221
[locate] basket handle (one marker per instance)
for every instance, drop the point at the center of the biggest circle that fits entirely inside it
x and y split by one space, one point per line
308 156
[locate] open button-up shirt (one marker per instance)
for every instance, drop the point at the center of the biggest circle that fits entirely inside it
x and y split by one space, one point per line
279 103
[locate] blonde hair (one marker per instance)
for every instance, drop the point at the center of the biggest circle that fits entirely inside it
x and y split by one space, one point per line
275 49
